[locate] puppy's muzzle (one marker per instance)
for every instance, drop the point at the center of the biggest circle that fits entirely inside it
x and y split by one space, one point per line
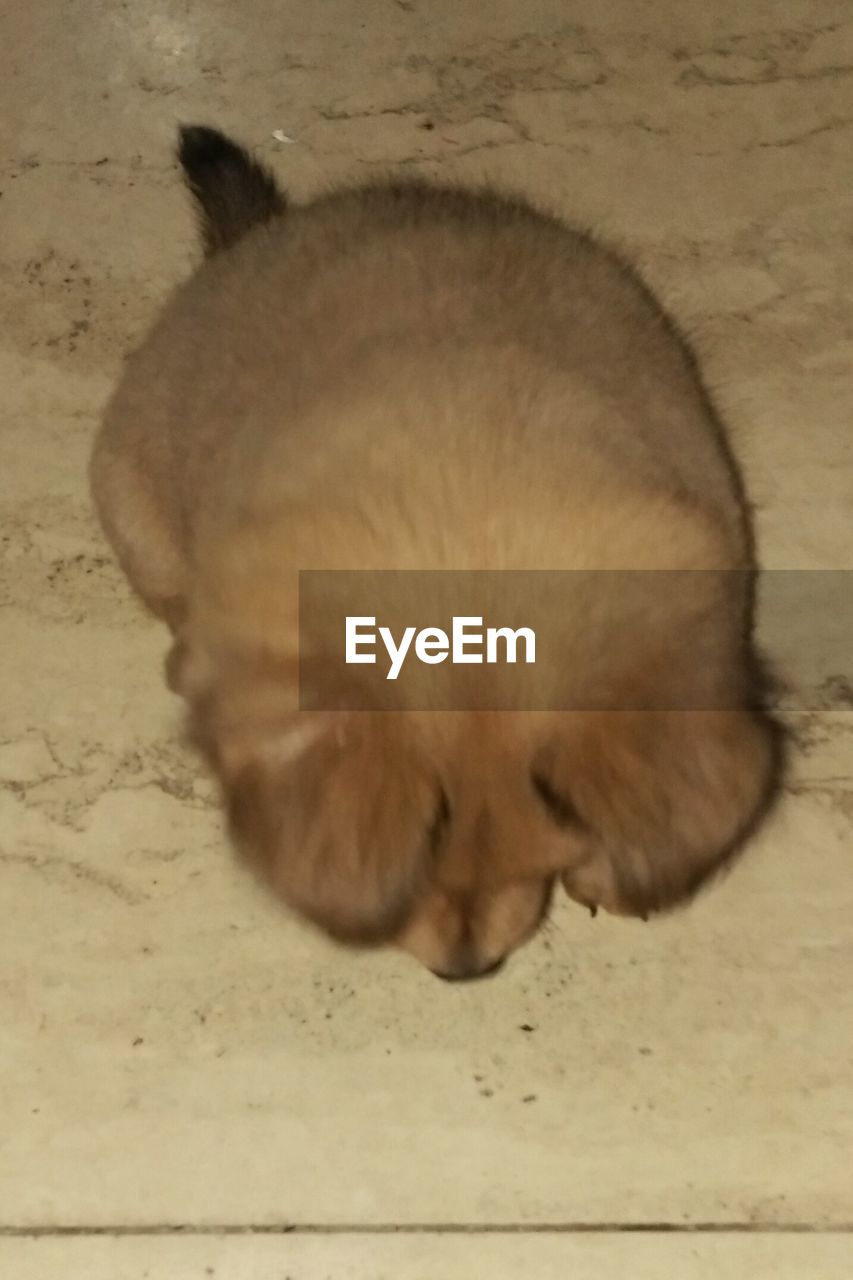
470 972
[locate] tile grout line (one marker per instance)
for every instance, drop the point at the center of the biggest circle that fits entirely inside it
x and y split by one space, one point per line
166 1229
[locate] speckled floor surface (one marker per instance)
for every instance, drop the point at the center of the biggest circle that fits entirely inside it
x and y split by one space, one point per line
174 1052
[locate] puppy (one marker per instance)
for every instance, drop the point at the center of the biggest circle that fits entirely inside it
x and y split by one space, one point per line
417 377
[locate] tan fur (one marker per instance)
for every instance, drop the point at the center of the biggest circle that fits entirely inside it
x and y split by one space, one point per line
400 378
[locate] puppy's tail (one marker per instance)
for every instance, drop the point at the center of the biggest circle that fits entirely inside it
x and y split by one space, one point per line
233 193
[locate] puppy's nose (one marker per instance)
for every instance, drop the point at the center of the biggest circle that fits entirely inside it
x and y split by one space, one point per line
469 974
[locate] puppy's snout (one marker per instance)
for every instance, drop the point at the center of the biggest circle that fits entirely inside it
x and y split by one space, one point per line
470 971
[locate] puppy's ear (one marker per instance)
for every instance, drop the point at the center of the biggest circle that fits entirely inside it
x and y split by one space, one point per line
330 808
664 799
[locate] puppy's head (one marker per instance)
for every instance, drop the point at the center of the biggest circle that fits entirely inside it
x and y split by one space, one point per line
418 830
445 833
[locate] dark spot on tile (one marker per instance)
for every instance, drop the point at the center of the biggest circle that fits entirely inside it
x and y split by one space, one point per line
839 690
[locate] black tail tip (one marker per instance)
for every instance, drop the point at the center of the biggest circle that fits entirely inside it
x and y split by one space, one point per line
200 147
233 192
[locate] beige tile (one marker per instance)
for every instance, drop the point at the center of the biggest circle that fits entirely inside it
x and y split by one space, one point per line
425 1257
173 1050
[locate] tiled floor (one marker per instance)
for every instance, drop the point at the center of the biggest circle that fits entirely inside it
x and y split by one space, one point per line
175 1053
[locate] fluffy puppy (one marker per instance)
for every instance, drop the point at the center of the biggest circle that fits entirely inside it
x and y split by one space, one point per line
410 376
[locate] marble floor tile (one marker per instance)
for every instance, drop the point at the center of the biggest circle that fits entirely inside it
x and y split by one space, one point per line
425 1257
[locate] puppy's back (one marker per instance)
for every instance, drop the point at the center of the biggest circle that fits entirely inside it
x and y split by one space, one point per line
488 332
